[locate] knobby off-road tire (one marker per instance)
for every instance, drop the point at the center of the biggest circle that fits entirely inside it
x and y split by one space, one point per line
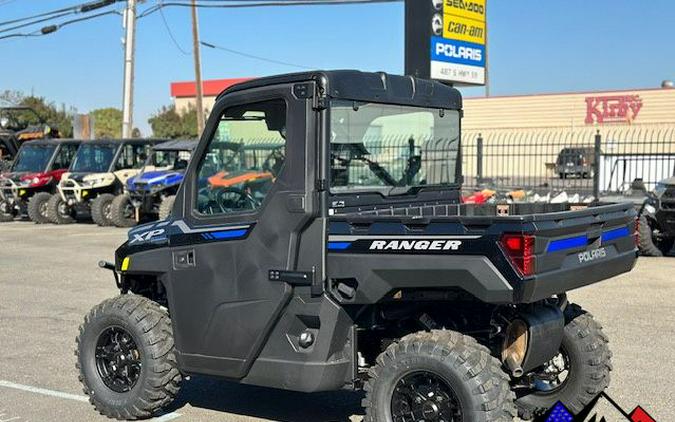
101 208
480 387
119 212
166 206
647 245
149 327
589 362
57 212
37 207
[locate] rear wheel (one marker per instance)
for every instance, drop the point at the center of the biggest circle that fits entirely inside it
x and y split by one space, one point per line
652 241
438 376
37 207
122 212
166 206
576 375
58 212
126 358
101 209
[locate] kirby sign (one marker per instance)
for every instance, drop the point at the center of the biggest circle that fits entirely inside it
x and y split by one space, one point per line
612 109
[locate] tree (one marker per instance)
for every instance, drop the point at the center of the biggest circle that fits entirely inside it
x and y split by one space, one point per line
59 118
168 123
107 122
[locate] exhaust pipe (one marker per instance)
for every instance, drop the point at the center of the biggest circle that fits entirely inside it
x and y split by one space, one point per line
515 346
514 367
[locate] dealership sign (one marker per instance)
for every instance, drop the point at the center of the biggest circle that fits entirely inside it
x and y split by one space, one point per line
445 40
612 109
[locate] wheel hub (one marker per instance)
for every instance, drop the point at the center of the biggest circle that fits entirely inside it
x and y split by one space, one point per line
118 359
424 396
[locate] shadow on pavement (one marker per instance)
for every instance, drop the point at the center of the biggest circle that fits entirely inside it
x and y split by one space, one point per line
268 403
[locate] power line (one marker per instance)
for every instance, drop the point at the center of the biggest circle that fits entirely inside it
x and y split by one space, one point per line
79 8
53 28
168 30
252 56
238 4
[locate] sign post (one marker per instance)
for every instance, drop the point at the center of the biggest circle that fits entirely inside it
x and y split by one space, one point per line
445 40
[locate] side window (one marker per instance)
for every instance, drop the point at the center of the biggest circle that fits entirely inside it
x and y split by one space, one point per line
243 159
64 157
132 156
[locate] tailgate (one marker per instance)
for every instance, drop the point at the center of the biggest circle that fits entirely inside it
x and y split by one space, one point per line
577 248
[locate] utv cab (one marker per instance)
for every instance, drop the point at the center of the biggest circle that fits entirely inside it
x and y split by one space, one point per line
98 173
33 178
348 261
151 193
18 125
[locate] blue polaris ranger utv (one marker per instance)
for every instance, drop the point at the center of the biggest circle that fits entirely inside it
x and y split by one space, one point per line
151 193
346 260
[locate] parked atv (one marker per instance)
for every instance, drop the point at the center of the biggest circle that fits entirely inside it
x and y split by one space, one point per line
18 125
343 268
151 193
98 173
33 178
656 211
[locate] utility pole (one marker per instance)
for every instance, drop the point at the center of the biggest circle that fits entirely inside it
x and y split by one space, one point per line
129 56
198 69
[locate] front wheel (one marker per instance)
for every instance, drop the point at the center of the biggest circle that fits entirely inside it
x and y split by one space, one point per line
576 375
58 211
652 242
166 206
126 359
37 207
101 209
438 376
122 212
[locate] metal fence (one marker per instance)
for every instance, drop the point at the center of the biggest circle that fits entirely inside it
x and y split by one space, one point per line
586 161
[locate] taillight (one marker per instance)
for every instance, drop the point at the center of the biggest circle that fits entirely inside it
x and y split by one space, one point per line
519 249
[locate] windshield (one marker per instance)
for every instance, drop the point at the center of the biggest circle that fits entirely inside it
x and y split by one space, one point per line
34 158
167 160
93 158
390 148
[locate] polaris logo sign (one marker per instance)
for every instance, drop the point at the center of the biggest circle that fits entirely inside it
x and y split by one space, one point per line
415 245
592 255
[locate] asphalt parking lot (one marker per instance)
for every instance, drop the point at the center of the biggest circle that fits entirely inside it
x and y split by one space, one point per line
49 280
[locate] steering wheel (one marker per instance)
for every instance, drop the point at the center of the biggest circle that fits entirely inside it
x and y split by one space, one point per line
234 199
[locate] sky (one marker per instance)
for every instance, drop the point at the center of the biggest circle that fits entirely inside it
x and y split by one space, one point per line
535 46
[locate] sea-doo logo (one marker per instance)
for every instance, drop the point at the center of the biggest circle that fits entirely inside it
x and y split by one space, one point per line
415 245
592 255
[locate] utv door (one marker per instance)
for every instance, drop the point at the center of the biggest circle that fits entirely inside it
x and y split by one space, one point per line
246 209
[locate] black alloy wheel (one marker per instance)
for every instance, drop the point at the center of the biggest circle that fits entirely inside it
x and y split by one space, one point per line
423 395
118 359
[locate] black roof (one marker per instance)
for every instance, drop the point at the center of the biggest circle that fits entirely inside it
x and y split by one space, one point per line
177 145
128 140
53 141
366 86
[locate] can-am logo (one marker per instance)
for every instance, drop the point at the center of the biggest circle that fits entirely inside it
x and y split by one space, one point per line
415 245
592 255
612 109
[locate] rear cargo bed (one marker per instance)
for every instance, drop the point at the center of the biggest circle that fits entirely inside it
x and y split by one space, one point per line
461 246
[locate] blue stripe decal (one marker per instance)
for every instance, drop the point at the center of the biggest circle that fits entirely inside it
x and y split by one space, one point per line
338 246
615 234
228 234
569 243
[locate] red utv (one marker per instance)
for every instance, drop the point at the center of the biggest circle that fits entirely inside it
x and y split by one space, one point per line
33 178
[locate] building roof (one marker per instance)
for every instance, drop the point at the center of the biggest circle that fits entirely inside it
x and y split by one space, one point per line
210 88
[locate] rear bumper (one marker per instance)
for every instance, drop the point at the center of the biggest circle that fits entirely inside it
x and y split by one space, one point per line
551 283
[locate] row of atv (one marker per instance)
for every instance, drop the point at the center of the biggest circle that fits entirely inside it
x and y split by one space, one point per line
114 182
